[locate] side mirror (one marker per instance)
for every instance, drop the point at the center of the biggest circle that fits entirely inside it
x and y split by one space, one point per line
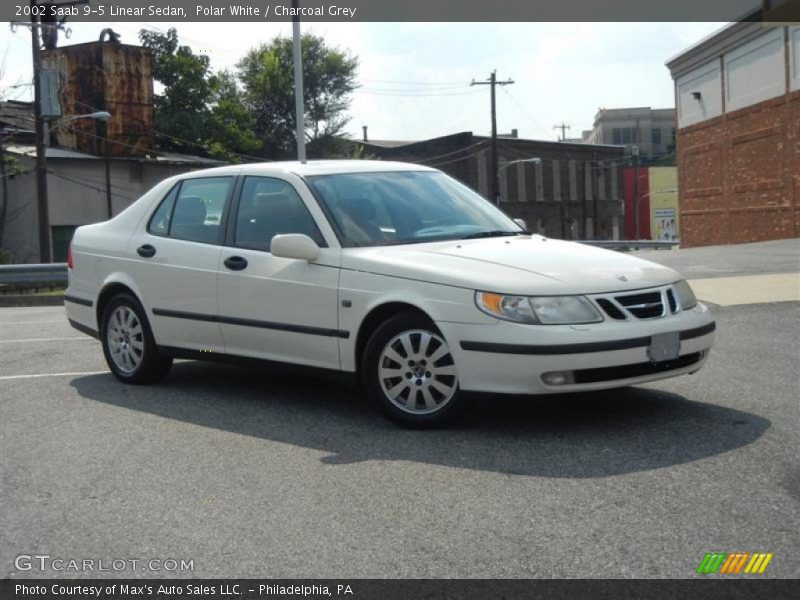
521 223
294 245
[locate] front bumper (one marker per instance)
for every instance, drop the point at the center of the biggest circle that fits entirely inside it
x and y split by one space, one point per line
512 358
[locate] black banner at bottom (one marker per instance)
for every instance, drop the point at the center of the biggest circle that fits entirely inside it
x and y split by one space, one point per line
390 589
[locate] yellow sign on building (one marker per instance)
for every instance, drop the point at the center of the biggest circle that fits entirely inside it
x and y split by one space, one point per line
664 219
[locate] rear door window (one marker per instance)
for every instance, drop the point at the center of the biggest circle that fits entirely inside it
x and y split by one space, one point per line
193 211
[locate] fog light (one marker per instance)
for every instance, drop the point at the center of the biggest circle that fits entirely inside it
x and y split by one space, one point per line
558 378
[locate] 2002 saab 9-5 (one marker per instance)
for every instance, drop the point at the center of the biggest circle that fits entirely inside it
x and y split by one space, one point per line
394 272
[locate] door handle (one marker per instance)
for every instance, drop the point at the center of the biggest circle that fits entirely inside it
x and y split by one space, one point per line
147 251
235 263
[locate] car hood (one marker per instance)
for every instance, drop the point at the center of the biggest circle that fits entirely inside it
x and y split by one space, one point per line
525 265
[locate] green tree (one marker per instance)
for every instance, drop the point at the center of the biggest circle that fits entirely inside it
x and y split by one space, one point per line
230 123
329 76
183 109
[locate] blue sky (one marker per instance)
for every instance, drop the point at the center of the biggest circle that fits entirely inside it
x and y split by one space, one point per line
415 76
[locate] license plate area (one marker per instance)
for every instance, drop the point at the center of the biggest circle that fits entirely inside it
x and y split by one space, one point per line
664 347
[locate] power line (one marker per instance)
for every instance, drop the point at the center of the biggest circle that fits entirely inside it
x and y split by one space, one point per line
447 162
407 90
525 110
412 95
75 181
430 83
160 133
430 158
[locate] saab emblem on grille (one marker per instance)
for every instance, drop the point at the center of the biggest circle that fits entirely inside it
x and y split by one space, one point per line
621 277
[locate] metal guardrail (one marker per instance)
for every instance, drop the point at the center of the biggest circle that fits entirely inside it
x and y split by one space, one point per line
47 274
56 273
632 244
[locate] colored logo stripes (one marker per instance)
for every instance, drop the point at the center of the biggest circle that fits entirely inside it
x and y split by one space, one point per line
734 563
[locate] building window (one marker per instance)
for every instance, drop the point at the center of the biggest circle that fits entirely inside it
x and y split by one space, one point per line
655 136
623 136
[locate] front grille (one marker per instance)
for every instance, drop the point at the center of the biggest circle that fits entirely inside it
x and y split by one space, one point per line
647 305
637 370
611 309
673 305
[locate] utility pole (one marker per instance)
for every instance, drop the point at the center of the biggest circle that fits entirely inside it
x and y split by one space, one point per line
492 81
45 255
635 150
299 109
563 127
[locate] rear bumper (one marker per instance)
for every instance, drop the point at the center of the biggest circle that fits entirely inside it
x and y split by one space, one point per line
512 358
80 312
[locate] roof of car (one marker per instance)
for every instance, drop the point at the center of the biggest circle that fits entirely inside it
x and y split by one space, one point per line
317 167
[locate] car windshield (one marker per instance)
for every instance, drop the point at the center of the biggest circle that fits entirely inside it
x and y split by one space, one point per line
407 207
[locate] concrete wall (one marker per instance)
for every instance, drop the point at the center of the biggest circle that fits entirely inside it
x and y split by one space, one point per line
77 196
705 80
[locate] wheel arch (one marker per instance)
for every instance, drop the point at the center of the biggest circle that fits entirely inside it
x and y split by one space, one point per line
377 315
110 288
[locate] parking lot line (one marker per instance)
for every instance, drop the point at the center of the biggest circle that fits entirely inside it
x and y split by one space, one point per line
5 323
39 375
46 340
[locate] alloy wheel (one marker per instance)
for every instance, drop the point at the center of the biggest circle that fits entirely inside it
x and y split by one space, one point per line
125 339
417 372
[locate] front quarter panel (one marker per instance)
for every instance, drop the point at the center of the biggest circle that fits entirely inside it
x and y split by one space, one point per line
368 291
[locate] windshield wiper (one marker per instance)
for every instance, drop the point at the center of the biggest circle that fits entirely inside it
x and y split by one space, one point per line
489 234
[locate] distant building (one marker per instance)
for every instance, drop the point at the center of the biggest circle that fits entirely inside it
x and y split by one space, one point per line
652 129
574 193
738 138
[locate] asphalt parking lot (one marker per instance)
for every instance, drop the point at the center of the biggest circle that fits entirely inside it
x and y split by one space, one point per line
254 473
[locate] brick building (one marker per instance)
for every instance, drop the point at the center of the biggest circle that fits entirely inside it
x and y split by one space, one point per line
738 134
575 192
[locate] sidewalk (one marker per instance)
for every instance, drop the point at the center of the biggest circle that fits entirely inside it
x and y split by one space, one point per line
738 274
748 289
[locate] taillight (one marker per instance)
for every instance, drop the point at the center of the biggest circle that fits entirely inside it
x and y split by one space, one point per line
69 256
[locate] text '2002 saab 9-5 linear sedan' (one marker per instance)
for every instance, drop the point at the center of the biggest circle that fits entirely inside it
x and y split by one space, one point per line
394 272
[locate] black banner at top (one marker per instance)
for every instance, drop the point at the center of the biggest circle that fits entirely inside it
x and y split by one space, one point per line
403 10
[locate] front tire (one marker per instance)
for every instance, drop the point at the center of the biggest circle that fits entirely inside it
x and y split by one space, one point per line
128 344
409 372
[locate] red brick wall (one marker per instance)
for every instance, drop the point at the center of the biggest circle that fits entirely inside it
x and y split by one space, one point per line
739 175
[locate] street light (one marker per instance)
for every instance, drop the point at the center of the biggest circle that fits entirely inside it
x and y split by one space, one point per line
536 161
100 115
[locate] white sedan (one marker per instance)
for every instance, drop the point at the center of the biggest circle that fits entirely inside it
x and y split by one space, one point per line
394 272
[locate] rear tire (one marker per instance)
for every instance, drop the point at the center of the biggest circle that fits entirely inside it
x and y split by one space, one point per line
408 370
128 344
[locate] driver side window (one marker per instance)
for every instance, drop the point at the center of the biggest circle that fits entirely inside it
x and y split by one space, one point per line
268 207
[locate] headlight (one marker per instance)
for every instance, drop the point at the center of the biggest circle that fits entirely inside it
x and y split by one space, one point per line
686 299
543 310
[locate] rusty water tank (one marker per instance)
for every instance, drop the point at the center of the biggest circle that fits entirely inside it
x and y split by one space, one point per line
104 76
